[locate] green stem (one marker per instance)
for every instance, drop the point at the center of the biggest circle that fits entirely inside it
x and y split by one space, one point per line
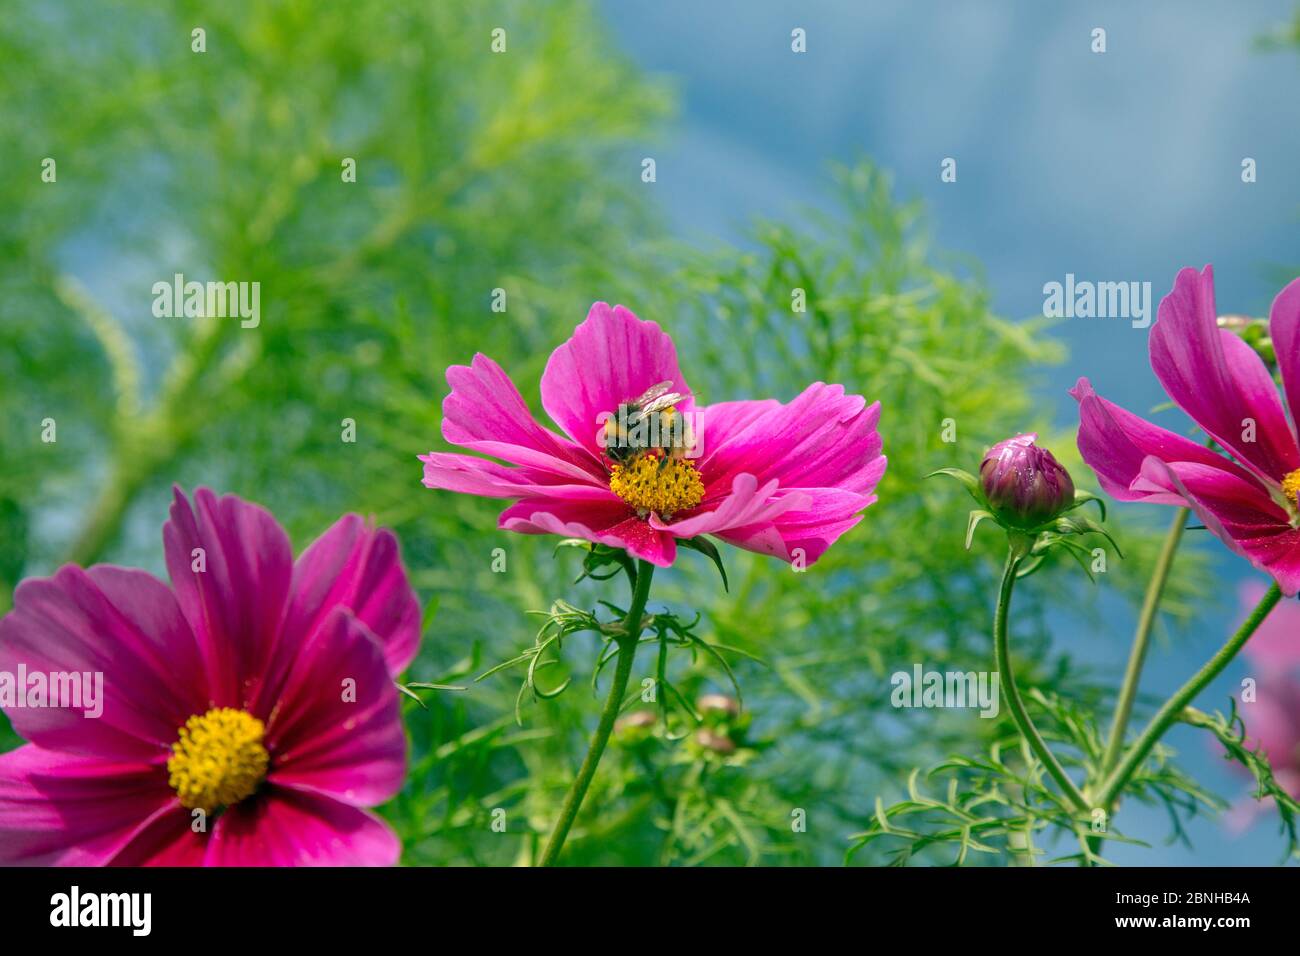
1173 707
1012 693
105 519
627 644
1142 640
145 444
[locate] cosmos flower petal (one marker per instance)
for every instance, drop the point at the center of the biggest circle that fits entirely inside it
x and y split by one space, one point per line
58 808
335 725
1275 445
479 476
356 566
611 357
230 564
807 532
605 522
1284 330
1218 380
747 504
1115 442
796 524
167 838
823 438
123 625
724 421
1239 512
293 828
1278 553
486 413
645 542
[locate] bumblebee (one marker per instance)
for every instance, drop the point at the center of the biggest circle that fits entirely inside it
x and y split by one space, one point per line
648 423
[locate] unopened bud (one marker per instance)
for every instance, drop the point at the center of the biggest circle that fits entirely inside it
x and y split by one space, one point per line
1024 485
718 743
633 728
720 703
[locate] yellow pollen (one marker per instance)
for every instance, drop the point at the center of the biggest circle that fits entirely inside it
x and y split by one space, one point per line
218 759
652 483
1291 486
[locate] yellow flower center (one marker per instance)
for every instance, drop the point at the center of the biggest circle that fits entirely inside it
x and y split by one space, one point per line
663 484
218 759
1291 486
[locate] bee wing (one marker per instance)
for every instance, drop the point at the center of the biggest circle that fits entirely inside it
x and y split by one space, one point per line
651 393
659 404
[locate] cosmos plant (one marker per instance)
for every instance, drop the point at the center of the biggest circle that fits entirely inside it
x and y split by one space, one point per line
1243 482
250 712
641 470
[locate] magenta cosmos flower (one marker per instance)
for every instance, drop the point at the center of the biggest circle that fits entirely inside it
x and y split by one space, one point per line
256 689
785 480
1273 719
1248 500
1273 726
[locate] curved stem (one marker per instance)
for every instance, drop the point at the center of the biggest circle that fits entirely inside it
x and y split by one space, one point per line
145 444
104 522
1173 707
627 643
1142 640
1012 693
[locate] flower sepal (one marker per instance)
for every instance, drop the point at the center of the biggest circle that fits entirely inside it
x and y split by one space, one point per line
600 562
971 483
1064 536
707 548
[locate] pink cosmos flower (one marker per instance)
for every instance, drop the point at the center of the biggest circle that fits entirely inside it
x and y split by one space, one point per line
256 689
785 480
1275 645
1273 719
1248 500
1273 725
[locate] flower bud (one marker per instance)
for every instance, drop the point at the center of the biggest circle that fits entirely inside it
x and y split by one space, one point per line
718 743
1023 484
634 728
1255 333
719 703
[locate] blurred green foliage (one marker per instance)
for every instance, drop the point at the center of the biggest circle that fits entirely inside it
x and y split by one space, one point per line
479 171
